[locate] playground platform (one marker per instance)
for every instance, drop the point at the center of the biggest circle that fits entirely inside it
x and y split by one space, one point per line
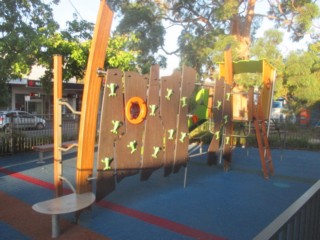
213 205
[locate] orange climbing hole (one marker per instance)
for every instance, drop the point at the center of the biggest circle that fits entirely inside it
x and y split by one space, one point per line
136 110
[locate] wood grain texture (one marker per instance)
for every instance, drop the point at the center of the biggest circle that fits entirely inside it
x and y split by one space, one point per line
112 115
182 141
152 157
128 161
90 100
57 124
169 107
217 121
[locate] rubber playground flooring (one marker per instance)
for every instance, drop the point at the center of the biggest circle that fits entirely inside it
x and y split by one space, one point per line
212 205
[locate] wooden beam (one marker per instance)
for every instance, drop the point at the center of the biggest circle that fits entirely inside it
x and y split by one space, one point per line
228 66
57 121
90 100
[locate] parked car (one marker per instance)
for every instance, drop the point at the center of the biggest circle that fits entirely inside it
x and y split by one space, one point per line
281 113
20 120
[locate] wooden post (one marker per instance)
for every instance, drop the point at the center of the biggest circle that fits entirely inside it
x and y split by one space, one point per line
90 100
57 121
227 108
228 77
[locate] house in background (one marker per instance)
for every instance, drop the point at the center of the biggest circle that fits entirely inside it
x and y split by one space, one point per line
28 95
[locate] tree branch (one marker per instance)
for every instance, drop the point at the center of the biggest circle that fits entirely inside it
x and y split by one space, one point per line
175 52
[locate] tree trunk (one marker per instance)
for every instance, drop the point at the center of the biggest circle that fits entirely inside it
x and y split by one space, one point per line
240 30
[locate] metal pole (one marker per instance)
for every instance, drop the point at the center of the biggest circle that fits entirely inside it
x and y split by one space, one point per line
55 226
185 176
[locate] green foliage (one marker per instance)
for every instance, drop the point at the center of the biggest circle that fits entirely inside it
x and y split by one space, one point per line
4 94
123 52
297 76
30 36
22 26
209 26
267 48
295 16
202 52
78 30
143 20
204 21
302 78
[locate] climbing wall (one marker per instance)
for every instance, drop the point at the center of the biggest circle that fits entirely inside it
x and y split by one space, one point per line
217 111
111 128
169 102
143 125
152 157
182 141
128 148
228 128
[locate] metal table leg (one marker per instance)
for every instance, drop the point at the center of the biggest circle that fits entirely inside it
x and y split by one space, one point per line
55 226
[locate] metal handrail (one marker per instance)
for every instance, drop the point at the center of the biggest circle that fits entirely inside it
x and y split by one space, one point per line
290 224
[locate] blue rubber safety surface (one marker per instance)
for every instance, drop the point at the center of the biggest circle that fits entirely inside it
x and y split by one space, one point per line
232 205
7 232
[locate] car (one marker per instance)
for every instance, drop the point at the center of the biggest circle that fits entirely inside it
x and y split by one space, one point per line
277 111
20 120
281 113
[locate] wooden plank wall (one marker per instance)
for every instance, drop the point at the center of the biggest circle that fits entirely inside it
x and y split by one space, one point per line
159 139
218 103
111 128
153 150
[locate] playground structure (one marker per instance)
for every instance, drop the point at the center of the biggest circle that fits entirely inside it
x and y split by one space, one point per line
144 122
227 103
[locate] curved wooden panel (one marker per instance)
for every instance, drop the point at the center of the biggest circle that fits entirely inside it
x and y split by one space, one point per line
217 121
169 107
182 142
111 127
152 157
128 148
90 100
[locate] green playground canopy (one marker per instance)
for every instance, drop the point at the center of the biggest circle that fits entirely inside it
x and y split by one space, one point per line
249 66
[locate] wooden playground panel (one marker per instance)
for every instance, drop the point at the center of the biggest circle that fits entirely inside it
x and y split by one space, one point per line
129 147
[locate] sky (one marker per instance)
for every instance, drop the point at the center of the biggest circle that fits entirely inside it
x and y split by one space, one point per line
88 10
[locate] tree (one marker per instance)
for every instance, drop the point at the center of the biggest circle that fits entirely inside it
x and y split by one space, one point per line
267 47
302 76
144 20
123 52
22 26
72 44
30 36
208 21
209 25
298 75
